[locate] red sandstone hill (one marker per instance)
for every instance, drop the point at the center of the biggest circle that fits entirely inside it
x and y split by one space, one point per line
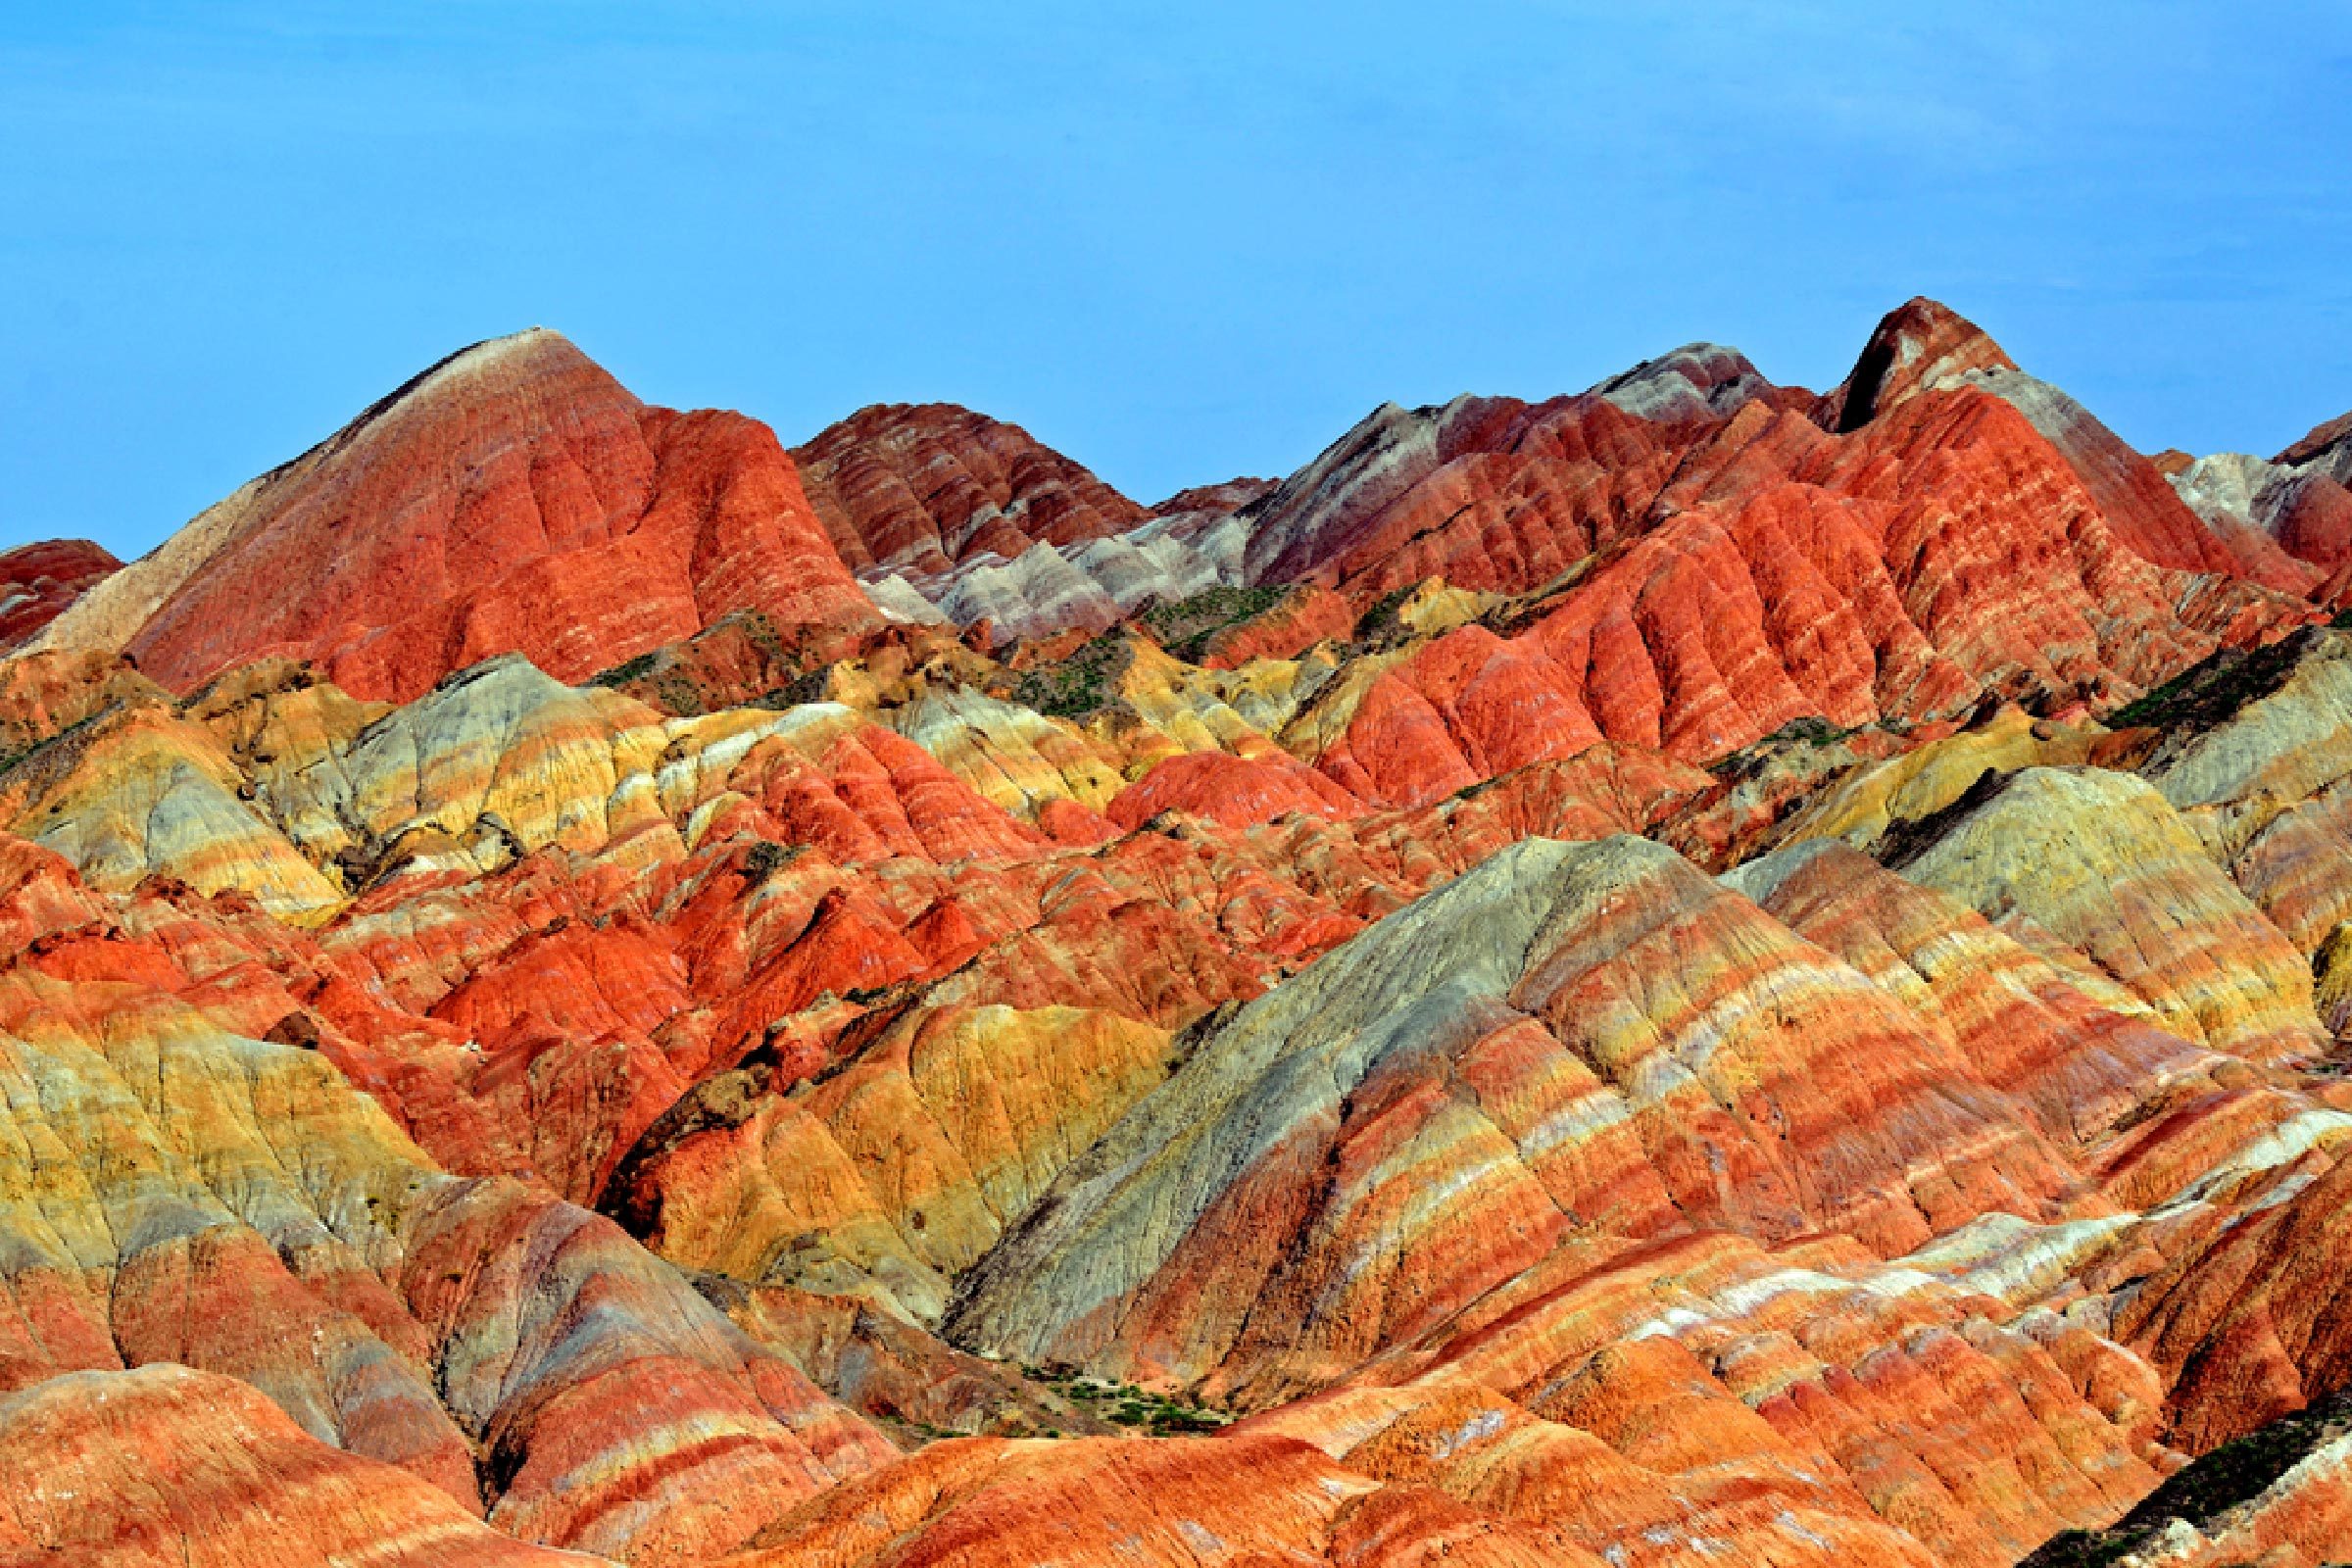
38 581
1497 493
515 496
2329 439
1699 557
921 487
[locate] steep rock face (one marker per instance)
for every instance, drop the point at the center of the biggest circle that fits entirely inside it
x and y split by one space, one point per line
1694 640
1696 382
1215 499
1089 584
39 581
2226 488
1741 615
1494 492
1484 492
1293 623
2246 737
1234 791
494 761
2264 775
626 1415
1968 456
2308 514
2022 1022
289 791
2327 447
1885 1408
159 1182
2147 513
2249 1323
910 1159
1923 347
44 695
493 766
514 497
923 487
1916 347
145 793
1864 804
1014 755
2281 1495
499 859
2311 518
1599 792
1643 1456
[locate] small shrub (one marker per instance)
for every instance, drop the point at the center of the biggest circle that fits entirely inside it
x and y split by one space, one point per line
2214 688
1185 627
1383 620
1076 687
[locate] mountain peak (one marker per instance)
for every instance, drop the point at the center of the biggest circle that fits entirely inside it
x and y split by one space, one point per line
534 349
2327 448
1697 381
1916 347
923 486
486 372
510 497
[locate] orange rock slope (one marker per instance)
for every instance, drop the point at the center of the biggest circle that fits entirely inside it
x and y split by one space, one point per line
1684 974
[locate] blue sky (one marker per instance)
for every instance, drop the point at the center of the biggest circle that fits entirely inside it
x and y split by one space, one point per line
1176 241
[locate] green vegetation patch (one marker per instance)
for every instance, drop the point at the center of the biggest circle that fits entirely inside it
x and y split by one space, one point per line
622 673
1079 685
1810 730
1384 622
2215 687
52 742
1184 628
1905 841
1124 1404
923 1432
763 860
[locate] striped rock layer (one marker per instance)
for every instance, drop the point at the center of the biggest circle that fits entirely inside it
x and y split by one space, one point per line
1690 973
